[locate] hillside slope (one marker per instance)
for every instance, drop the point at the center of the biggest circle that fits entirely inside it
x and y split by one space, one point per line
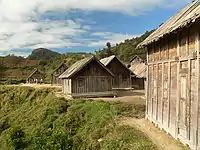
35 119
127 49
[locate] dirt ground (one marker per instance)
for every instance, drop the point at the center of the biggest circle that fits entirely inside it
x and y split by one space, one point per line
157 136
41 86
129 97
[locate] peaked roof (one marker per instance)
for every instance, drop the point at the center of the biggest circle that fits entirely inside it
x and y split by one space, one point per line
59 67
188 15
36 70
139 70
76 67
142 57
106 61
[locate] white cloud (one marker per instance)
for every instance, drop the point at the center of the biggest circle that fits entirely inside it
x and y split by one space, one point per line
113 38
49 34
17 30
17 9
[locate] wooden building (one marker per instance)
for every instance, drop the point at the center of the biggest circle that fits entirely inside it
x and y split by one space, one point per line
122 74
173 79
138 67
36 77
55 80
87 78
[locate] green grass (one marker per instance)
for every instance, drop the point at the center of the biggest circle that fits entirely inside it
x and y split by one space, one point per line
36 119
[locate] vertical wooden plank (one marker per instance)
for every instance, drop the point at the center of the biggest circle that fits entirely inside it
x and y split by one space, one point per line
178 88
198 93
169 82
189 99
157 72
146 89
162 99
152 96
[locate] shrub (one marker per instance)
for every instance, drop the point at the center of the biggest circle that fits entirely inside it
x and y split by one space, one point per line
17 139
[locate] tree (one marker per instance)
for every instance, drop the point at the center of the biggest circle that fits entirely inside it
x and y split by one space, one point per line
108 50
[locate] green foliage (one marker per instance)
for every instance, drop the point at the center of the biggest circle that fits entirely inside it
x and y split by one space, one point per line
127 49
12 81
68 59
16 138
36 119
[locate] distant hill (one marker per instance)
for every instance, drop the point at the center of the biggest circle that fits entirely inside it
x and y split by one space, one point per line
15 67
127 49
42 54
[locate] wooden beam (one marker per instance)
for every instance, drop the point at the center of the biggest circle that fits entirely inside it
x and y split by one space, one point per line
162 98
152 88
178 90
157 74
174 60
169 93
197 45
189 98
147 89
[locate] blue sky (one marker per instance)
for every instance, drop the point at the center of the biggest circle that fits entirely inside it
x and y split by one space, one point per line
77 26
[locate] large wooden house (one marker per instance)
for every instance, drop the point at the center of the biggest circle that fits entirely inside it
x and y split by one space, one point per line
122 74
55 80
36 77
87 78
138 67
173 76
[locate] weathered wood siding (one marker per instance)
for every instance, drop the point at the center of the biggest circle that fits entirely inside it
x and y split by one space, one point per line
122 74
173 88
138 83
91 79
55 76
67 86
37 77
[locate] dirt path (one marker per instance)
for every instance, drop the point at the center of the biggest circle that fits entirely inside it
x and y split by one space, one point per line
158 137
128 97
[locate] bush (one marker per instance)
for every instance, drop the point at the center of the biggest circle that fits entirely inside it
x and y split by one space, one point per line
4 124
17 139
11 81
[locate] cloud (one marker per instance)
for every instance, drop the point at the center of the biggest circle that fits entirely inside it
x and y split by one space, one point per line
22 28
17 9
113 38
47 33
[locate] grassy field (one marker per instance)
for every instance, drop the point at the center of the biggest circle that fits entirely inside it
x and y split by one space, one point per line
35 119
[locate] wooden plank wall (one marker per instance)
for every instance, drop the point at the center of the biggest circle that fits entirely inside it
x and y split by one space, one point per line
87 84
174 85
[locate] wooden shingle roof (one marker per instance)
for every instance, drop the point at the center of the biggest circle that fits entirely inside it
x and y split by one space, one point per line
142 57
79 65
35 70
106 61
186 16
62 64
139 70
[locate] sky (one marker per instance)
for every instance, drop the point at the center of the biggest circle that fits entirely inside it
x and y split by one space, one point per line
78 25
